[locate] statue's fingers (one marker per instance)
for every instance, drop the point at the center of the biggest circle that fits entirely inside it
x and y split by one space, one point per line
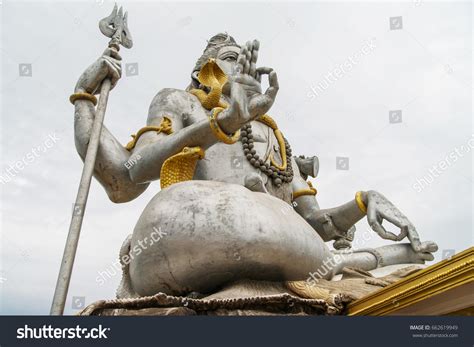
253 68
241 60
392 219
114 73
397 222
383 233
256 44
414 238
112 52
114 61
249 46
263 70
246 67
253 59
429 246
115 64
248 56
403 233
273 85
377 226
107 52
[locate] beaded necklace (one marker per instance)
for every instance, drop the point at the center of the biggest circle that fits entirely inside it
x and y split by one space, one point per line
278 175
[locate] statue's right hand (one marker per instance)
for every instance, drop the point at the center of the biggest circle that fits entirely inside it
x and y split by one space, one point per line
107 66
247 100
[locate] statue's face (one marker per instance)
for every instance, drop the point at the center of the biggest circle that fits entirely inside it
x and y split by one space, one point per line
227 59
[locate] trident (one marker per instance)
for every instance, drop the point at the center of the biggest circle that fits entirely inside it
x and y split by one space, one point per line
115 27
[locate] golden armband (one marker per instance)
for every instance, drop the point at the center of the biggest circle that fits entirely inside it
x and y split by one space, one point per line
218 132
360 202
308 191
83 96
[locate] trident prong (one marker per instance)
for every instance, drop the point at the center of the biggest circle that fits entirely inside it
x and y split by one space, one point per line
115 26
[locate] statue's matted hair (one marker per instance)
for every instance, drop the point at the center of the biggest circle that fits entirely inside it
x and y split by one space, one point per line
213 46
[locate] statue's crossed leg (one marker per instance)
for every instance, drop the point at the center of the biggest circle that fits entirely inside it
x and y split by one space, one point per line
197 236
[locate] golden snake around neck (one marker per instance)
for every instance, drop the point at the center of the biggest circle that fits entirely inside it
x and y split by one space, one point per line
212 77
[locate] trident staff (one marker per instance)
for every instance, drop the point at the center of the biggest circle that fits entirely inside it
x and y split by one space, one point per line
115 27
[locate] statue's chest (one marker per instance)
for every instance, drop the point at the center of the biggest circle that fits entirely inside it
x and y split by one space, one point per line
243 154
264 141
231 163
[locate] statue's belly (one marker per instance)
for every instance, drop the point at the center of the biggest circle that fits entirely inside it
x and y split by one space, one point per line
224 163
199 235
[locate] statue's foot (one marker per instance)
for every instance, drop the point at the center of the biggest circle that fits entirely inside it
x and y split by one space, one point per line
425 253
372 258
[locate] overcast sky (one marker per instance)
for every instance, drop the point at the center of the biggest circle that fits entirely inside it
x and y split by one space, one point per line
421 67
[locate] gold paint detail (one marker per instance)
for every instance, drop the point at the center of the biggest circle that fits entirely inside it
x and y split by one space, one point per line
211 76
165 127
360 202
269 121
308 191
218 132
83 96
431 281
180 167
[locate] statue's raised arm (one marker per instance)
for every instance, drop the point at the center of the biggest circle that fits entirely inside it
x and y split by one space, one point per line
110 166
176 119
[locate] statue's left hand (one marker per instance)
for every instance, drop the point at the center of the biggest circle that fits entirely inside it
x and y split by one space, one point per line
379 208
249 77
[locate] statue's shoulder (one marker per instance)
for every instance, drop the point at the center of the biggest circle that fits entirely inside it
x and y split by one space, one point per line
172 100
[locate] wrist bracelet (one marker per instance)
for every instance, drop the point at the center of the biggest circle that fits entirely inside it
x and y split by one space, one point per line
360 202
218 132
83 96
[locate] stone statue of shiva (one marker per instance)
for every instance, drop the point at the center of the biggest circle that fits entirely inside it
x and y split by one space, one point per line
234 202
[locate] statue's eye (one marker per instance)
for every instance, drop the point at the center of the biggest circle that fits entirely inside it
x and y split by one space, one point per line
230 58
